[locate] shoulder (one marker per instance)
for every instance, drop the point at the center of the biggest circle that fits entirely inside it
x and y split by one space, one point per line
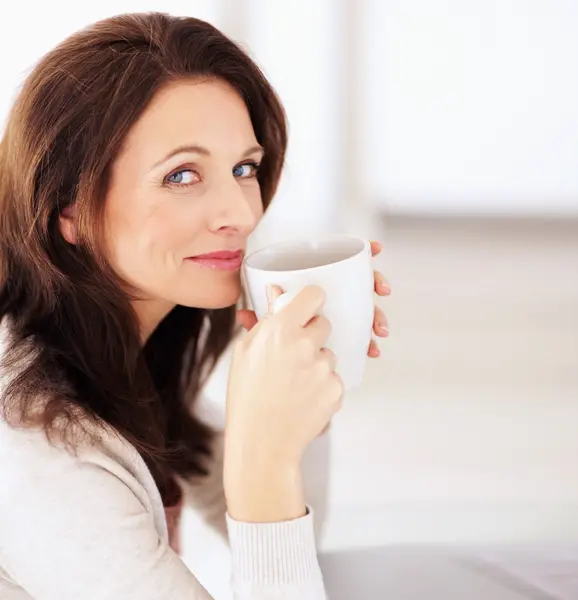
29 456
31 464
98 502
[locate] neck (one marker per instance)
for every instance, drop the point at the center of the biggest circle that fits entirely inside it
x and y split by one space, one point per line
150 314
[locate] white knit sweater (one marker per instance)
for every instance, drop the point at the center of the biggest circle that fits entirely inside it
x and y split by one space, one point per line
91 526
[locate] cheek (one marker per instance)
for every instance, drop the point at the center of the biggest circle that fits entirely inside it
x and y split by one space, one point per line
172 226
255 201
163 226
138 234
120 234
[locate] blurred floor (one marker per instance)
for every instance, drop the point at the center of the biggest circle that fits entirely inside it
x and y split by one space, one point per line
467 429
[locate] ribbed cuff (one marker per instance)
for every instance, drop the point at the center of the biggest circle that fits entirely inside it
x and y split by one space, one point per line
274 554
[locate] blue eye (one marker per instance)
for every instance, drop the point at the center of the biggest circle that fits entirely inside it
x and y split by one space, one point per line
183 177
246 170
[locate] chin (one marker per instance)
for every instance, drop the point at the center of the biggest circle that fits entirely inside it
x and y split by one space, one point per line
214 297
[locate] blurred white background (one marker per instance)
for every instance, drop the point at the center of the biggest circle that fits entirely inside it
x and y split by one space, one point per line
448 129
415 106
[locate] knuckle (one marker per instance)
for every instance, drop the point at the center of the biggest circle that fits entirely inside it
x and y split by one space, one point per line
329 353
305 346
323 366
330 356
326 324
276 323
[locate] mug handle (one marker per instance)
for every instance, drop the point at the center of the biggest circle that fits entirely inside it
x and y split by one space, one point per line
282 301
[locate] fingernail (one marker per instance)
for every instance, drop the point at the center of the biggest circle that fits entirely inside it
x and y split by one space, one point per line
384 286
383 328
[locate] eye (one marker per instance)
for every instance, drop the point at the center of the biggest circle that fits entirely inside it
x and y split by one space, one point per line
183 177
246 170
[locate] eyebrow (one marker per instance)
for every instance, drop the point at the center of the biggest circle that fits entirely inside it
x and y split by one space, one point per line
193 149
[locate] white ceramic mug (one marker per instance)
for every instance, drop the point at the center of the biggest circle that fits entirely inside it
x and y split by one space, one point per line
342 266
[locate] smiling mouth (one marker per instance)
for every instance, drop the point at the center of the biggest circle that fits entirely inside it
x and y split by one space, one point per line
224 260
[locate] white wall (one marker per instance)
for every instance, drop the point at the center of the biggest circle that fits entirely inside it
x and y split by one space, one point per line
433 106
471 105
299 47
29 29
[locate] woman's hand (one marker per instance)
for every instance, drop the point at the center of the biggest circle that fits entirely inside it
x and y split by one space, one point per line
282 392
248 319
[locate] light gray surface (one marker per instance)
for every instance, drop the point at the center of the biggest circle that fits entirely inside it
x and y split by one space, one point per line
552 568
398 573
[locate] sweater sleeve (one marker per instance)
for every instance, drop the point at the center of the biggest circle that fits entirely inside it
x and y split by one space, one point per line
275 560
71 528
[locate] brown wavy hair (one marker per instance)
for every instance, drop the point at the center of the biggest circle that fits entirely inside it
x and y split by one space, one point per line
72 329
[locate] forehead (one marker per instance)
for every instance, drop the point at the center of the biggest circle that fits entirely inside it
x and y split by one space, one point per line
207 113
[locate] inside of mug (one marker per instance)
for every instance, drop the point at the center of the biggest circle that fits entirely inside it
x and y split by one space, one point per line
290 256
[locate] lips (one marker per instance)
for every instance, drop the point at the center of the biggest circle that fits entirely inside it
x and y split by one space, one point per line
225 260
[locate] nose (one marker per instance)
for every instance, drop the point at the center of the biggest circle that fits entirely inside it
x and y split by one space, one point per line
234 209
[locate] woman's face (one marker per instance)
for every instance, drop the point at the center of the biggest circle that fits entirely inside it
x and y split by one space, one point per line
183 199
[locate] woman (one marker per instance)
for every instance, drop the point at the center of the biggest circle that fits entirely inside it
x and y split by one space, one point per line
138 157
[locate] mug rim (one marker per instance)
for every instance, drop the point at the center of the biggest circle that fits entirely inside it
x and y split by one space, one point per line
306 240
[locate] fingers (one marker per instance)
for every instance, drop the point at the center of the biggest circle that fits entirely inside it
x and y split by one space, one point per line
328 357
380 324
373 351
318 331
247 319
376 247
306 305
381 329
382 287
